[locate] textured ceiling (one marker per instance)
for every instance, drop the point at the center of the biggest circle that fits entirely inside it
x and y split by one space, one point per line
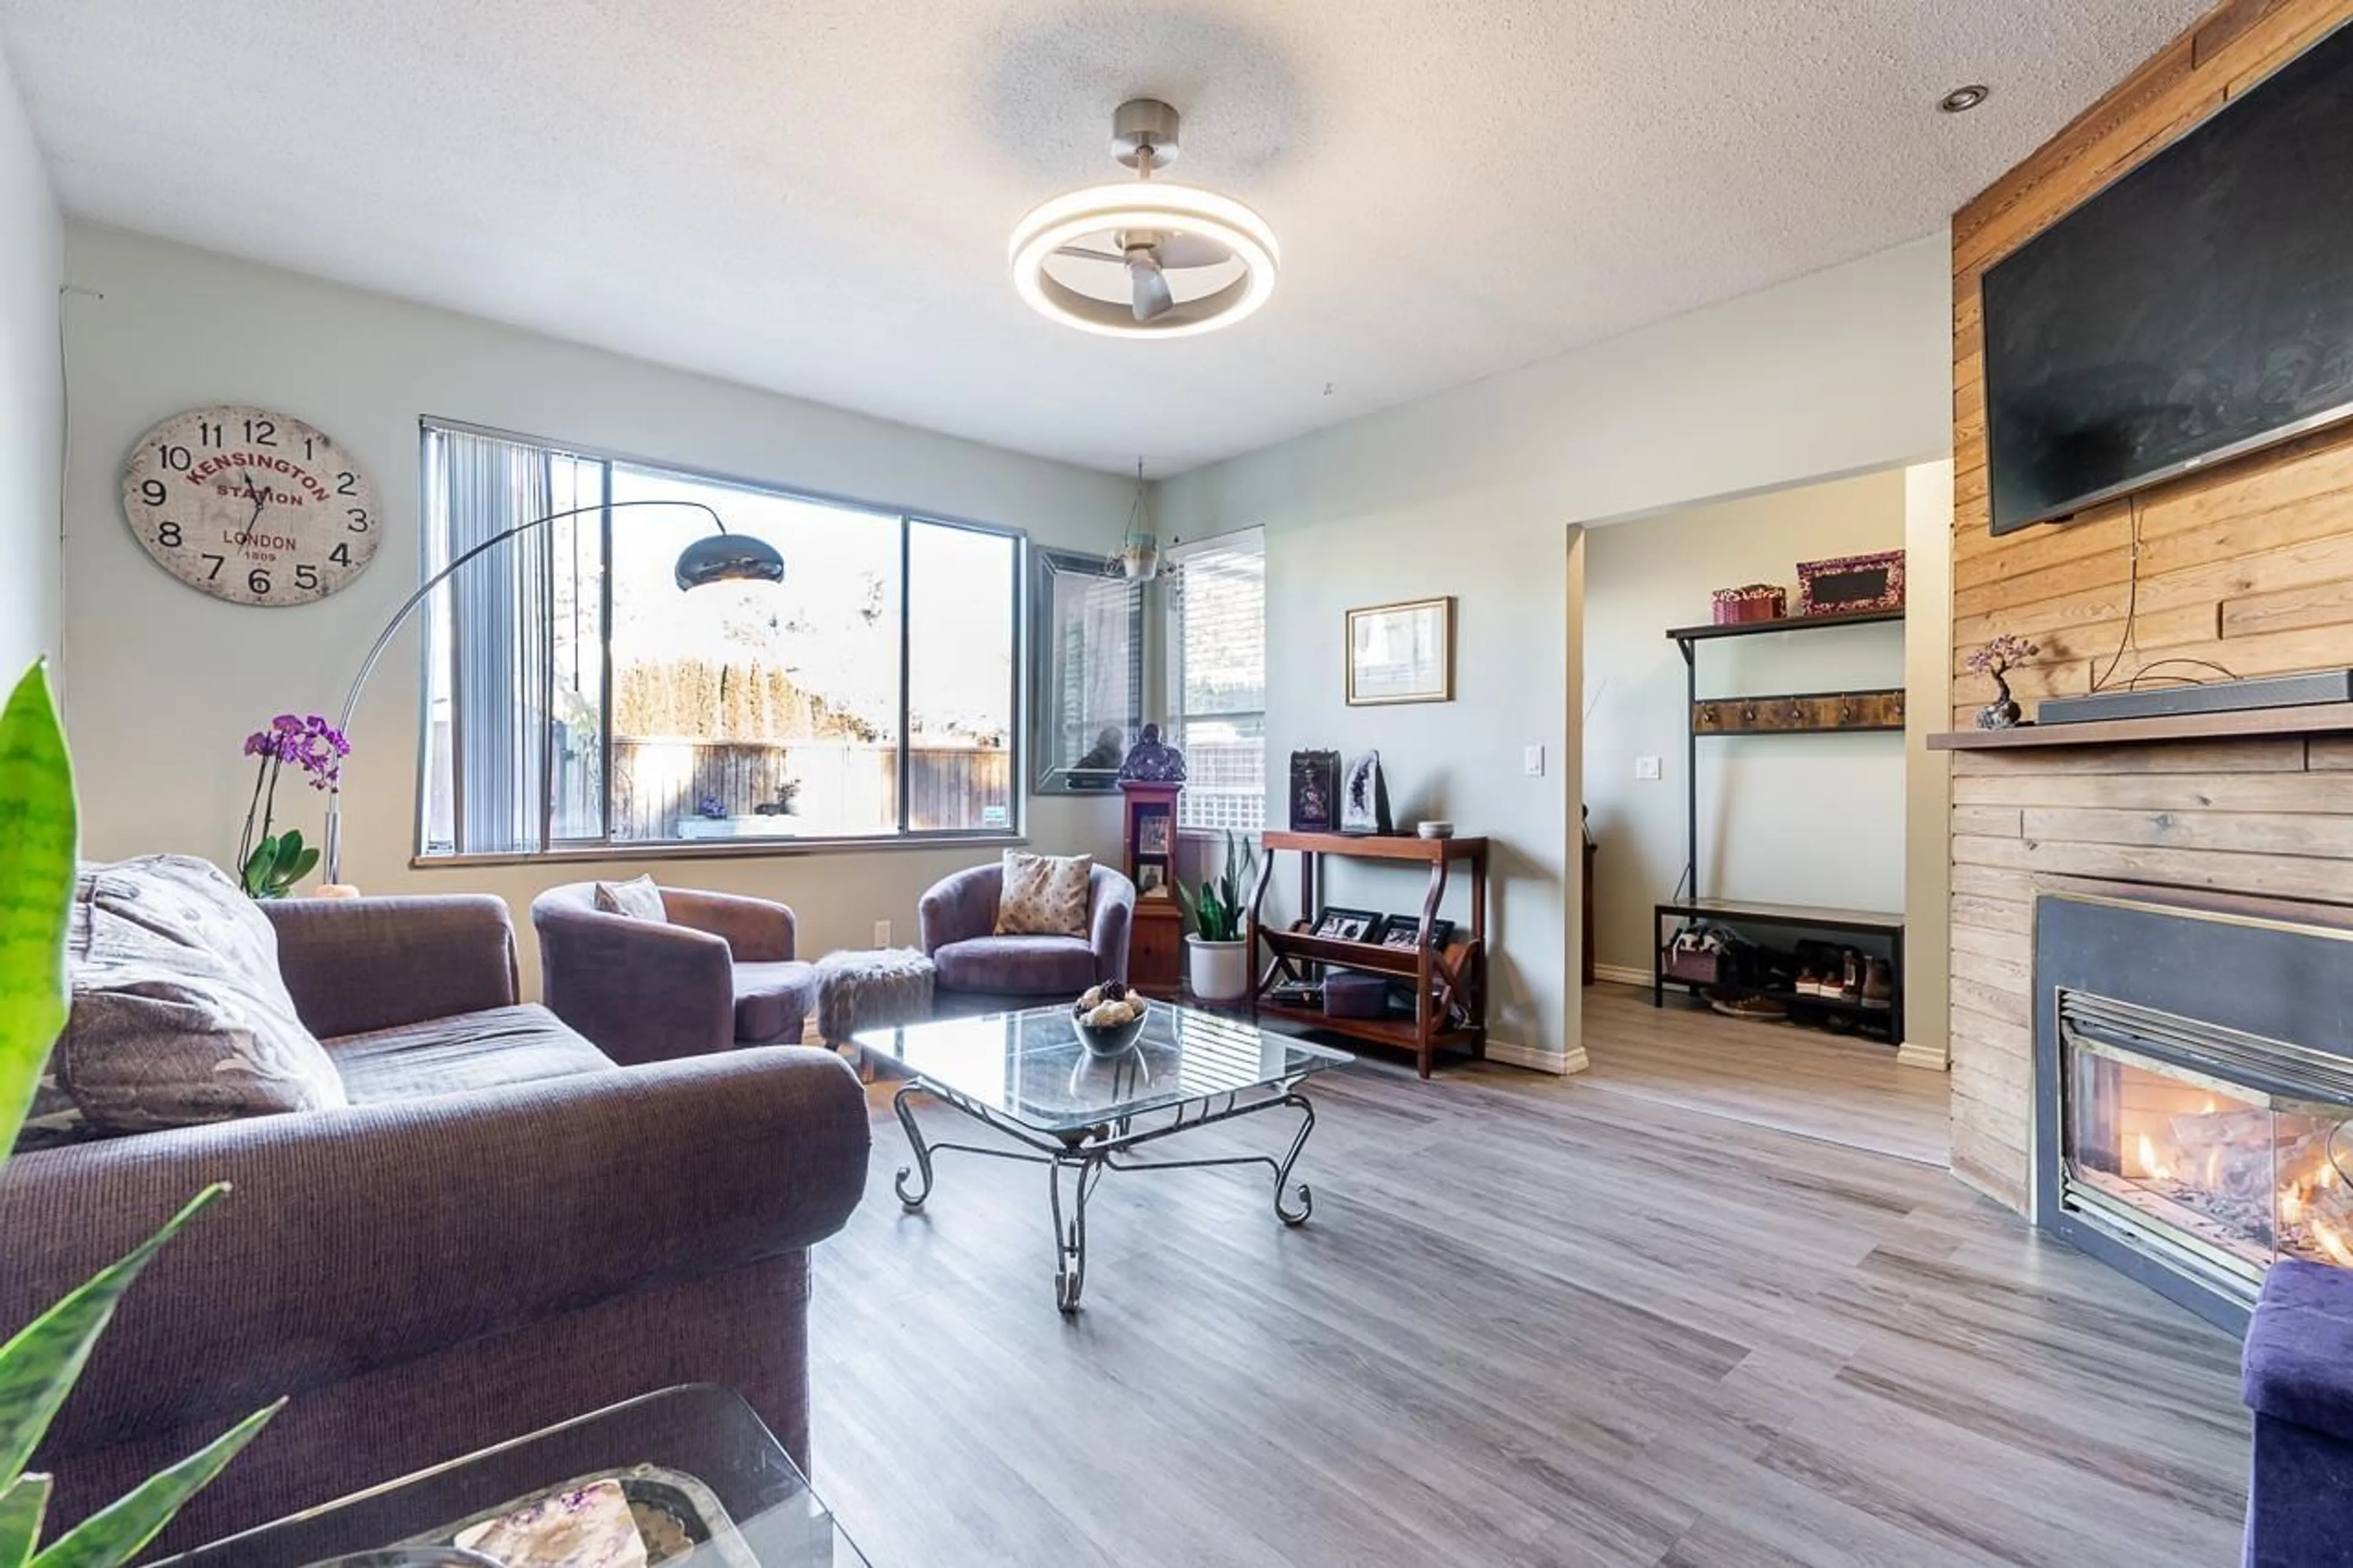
815 197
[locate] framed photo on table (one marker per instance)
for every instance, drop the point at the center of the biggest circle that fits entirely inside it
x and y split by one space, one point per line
1401 653
1405 931
1346 925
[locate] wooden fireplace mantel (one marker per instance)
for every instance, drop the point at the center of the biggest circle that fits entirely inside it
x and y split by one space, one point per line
2315 719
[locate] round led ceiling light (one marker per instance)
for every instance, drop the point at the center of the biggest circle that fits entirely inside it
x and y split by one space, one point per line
1143 257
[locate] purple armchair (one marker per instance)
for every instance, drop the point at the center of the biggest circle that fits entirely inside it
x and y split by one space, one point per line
720 974
958 920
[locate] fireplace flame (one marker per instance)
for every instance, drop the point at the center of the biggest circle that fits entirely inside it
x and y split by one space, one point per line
2291 1206
2151 1167
2332 1241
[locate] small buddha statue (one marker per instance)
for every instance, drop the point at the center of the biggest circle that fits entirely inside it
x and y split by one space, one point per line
1153 761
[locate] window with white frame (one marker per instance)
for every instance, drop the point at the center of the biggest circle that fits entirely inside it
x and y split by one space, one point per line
1217 678
576 697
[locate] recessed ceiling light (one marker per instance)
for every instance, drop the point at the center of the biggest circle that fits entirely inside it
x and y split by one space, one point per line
1962 99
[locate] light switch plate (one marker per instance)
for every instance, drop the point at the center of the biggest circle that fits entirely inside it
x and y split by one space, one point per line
1646 767
1532 762
882 933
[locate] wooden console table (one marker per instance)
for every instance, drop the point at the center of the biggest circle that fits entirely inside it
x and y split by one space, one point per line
1450 985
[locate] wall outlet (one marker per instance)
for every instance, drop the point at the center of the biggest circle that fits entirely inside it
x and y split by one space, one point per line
1646 768
1532 762
882 933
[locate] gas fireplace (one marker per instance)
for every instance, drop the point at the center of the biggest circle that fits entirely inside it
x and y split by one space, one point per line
2195 1082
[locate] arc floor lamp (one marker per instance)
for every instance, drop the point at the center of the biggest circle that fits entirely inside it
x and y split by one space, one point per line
721 557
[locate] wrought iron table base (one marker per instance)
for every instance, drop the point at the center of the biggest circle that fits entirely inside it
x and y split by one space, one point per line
1083 1157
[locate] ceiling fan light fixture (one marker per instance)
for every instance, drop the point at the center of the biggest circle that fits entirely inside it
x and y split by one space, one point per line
1152 209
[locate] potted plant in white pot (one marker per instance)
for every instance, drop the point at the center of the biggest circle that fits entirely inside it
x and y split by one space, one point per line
1216 951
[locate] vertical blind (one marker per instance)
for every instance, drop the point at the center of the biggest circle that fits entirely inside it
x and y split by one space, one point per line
1217 678
497 668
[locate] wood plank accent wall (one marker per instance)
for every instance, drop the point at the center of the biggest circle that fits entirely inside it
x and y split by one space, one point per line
2250 566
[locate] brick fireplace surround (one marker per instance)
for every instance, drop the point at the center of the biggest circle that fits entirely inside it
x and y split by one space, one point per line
2250 565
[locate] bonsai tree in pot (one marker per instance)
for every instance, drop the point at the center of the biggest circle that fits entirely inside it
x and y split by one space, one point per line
1217 954
40 1365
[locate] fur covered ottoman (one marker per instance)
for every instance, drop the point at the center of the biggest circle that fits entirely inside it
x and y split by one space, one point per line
871 988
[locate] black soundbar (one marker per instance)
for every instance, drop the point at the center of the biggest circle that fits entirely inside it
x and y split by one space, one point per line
2213 696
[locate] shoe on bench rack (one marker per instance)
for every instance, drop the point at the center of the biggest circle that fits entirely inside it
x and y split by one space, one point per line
1754 1009
1879 984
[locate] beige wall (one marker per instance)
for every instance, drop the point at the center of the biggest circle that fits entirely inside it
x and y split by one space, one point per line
31 403
1813 819
1473 493
166 680
1928 775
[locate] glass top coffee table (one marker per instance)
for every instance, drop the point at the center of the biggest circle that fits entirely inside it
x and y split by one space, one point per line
1028 1077
705 1480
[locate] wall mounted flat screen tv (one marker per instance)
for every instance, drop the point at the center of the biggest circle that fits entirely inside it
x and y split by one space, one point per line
2199 307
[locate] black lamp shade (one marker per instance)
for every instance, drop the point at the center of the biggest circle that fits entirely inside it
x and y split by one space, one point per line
728 558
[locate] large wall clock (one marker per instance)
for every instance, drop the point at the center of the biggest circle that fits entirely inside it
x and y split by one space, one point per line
251 506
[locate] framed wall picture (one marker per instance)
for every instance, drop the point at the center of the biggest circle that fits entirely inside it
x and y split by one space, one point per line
1401 653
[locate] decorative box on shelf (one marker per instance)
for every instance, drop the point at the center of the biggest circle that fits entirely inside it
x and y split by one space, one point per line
1852 584
1756 602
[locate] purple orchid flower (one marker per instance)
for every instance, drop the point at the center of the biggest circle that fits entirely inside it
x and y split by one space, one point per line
315 748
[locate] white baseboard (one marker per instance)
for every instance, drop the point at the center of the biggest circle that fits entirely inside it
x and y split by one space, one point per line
1930 1059
1619 976
1561 1063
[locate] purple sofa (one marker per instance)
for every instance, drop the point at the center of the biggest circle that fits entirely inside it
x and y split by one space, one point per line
721 974
503 1229
2299 1384
958 923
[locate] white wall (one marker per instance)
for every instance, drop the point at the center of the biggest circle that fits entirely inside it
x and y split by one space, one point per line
31 405
1813 819
168 681
1473 493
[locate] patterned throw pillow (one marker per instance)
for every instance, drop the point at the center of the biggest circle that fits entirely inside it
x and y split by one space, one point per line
637 898
180 1016
1043 895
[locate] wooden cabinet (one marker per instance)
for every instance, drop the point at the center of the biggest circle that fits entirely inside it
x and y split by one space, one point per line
1156 940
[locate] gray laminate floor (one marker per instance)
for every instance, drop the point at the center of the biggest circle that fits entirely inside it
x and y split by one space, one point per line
1845 1089
1532 1322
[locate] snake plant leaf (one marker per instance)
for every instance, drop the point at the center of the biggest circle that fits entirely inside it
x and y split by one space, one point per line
117 1533
22 1506
37 1368
36 877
